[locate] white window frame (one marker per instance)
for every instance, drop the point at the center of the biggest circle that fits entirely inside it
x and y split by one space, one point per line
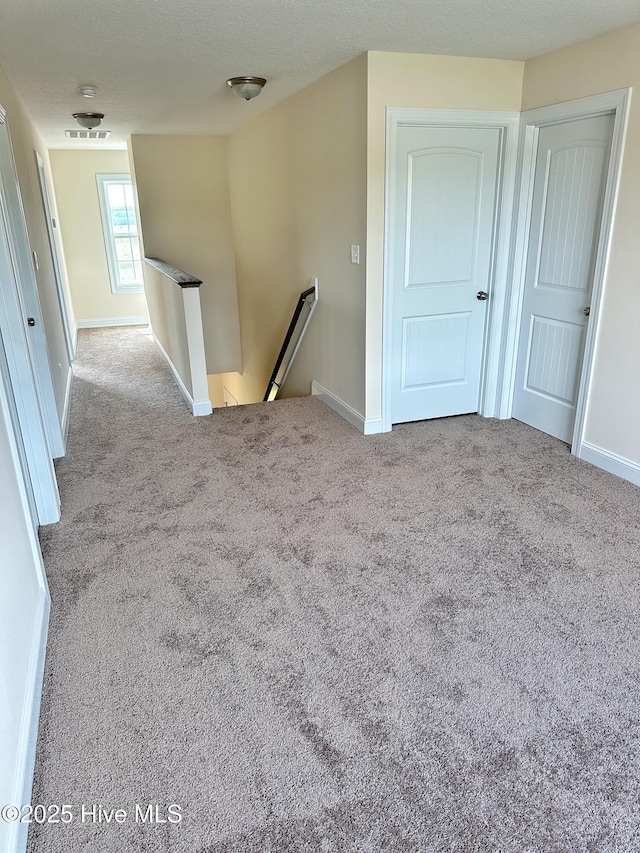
117 286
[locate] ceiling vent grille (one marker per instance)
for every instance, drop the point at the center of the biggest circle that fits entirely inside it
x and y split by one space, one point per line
87 134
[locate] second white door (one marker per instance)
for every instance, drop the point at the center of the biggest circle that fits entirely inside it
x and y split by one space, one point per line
445 181
569 183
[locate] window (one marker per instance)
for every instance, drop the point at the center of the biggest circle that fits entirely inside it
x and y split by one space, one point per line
121 237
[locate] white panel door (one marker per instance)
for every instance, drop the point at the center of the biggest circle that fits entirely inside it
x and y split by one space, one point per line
568 192
22 262
443 225
20 374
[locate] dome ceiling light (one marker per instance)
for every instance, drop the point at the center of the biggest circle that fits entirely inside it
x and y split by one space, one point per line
88 120
247 87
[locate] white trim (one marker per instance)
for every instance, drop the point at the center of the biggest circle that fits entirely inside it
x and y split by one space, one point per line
103 322
623 104
605 102
491 380
198 407
611 462
55 258
21 452
66 411
340 407
373 426
201 408
31 715
22 261
617 102
195 349
23 385
520 243
507 123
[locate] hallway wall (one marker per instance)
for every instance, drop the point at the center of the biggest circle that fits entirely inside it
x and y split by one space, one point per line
74 176
298 201
183 195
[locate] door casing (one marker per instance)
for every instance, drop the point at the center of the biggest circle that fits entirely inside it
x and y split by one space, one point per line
21 370
513 211
616 103
56 259
23 262
507 123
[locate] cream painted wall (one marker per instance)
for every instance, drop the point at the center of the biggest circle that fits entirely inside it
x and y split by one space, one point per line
298 201
74 176
167 318
417 80
265 240
599 65
25 140
183 195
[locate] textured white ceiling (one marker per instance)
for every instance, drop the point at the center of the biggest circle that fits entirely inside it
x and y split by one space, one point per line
161 65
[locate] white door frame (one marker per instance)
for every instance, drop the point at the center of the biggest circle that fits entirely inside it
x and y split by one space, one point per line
507 123
55 259
616 103
23 380
23 263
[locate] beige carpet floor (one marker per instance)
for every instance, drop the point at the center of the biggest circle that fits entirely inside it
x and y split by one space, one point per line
312 640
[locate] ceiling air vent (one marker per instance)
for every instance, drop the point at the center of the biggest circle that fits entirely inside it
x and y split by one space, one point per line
87 134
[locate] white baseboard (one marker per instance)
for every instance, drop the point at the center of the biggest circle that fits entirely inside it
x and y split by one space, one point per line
367 427
201 407
30 721
373 426
66 411
198 407
101 322
611 462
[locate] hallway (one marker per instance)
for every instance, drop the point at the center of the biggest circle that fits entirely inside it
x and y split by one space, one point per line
313 640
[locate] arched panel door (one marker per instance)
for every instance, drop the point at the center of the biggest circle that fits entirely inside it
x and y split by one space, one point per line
443 232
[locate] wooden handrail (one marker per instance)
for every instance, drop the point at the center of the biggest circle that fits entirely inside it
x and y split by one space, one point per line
179 277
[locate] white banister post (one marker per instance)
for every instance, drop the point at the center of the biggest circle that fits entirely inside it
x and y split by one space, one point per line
195 344
171 336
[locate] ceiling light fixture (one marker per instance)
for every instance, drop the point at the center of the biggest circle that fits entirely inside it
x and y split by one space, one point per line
247 87
88 120
88 91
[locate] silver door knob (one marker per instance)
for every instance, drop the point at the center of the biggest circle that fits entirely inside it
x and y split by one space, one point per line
482 295
586 311
31 321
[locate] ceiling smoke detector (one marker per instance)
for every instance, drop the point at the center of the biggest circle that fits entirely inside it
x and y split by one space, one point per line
247 87
88 91
88 120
